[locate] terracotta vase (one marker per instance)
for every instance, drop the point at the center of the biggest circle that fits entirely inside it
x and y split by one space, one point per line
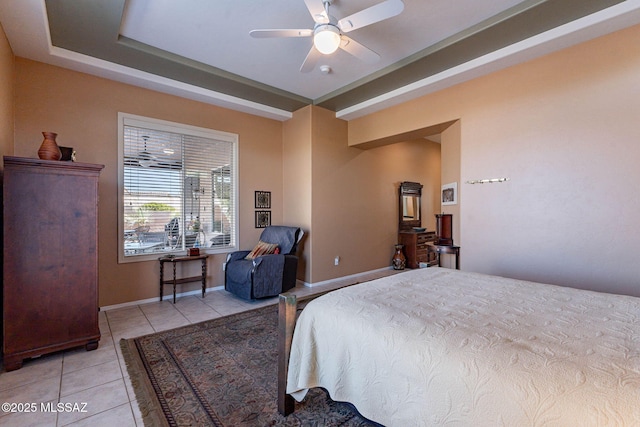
399 260
49 149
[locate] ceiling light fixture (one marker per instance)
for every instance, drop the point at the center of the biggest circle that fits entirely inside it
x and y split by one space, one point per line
326 38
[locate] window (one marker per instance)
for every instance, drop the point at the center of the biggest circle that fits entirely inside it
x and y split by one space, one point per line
177 187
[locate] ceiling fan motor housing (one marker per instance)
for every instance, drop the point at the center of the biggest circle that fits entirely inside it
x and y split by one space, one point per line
326 38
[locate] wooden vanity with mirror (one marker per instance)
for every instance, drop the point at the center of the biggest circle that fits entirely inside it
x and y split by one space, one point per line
411 234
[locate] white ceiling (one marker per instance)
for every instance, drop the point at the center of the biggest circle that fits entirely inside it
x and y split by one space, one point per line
216 33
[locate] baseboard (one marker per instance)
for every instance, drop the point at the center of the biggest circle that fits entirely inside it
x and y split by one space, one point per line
217 288
340 279
165 298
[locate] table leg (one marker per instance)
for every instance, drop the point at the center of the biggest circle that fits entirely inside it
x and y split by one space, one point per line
174 282
161 278
204 275
457 259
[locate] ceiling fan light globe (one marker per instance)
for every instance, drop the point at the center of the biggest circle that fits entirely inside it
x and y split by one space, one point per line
326 39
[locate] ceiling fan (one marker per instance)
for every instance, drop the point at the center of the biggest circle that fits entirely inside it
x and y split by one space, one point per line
328 32
155 156
144 157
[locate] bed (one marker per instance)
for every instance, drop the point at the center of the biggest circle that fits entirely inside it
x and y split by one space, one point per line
438 346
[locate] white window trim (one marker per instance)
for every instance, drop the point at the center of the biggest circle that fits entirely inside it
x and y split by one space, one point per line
163 125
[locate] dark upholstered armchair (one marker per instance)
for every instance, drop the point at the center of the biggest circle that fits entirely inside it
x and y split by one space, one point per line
271 267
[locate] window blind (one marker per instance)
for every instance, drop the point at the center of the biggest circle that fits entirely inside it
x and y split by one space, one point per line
178 189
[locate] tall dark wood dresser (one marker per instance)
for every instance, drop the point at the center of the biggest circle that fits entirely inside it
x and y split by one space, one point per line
50 275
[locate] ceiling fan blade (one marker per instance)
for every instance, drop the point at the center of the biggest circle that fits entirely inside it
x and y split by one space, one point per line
316 9
262 34
311 60
359 51
371 15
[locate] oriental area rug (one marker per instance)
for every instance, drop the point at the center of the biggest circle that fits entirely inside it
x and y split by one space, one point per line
221 372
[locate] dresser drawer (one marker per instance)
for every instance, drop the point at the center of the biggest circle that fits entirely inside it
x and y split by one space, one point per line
421 249
423 238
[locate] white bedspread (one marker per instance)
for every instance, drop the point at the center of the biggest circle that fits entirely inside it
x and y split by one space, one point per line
438 346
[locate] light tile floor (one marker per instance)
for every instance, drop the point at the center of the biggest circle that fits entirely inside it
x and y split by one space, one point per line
92 388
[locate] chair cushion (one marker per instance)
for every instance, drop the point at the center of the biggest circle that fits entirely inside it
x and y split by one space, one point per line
263 248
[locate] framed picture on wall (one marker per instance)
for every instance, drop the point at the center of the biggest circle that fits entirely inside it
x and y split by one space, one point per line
263 199
263 219
450 194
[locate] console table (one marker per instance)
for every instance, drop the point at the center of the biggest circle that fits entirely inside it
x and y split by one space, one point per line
174 281
446 249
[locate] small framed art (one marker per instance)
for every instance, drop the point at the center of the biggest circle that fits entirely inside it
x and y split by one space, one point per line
263 219
263 199
450 194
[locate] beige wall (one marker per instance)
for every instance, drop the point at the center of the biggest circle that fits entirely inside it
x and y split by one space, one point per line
297 160
355 197
450 163
567 140
317 181
83 110
6 95
346 198
565 130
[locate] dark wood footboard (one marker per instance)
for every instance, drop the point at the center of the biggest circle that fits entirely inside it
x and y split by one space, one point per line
287 308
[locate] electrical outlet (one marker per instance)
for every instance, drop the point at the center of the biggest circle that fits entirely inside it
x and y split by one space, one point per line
336 260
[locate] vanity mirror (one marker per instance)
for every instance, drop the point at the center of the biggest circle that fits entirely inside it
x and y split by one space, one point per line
410 201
